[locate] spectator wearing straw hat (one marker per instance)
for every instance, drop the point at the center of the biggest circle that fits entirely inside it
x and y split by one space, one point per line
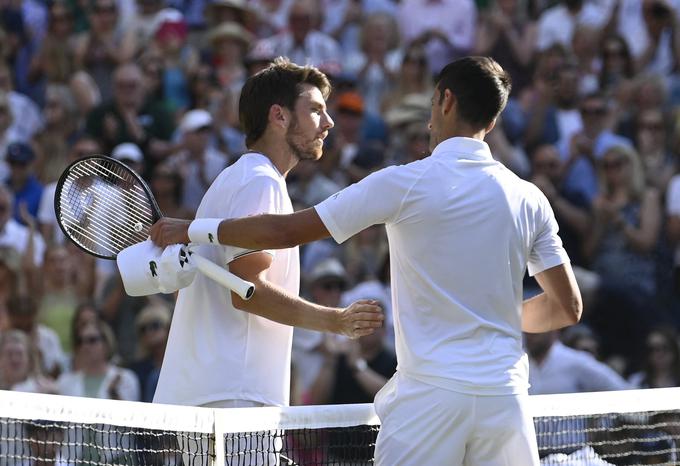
228 45
198 162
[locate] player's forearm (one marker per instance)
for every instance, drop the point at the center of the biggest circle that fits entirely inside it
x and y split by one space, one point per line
543 314
274 303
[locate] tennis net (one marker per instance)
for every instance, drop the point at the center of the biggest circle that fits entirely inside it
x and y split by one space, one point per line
637 427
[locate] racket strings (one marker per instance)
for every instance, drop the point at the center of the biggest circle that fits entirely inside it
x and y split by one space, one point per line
110 212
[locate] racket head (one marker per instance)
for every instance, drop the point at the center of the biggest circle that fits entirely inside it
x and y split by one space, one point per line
103 206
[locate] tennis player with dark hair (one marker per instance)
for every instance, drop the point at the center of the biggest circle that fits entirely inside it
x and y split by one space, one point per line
462 230
223 351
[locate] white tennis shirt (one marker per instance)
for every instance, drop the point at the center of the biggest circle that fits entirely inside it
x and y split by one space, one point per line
462 229
216 352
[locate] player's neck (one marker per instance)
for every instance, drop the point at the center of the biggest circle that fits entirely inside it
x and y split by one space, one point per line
460 130
277 151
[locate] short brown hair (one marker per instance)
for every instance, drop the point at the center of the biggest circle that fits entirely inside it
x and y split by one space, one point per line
481 87
278 84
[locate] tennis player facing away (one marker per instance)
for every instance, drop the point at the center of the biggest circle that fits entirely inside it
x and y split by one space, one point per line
462 231
226 352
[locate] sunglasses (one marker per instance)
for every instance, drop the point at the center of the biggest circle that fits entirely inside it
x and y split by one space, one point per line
150 326
613 164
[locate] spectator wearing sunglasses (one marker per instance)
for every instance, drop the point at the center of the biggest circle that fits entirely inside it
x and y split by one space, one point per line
152 324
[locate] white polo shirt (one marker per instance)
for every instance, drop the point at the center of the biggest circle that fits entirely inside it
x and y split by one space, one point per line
462 229
216 352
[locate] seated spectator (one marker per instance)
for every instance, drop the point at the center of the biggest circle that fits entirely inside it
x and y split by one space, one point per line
618 68
22 179
661 361
412 79
153 325
228 45
19 370
130 154
27 119
651 137
556 368
11 282
23 314
343 19
97 376
167 187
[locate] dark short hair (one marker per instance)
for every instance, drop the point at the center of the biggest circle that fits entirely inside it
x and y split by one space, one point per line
278 84
481 87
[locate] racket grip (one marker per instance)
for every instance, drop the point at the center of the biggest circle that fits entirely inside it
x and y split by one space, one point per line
225 278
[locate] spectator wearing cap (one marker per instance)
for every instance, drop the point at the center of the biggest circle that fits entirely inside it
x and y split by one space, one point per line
22 179
15 235
129 118
228 45
198 162
104 46
153 325
303 43
130 154
179 58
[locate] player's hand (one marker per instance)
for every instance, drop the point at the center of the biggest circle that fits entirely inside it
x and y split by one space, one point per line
360 318
169 231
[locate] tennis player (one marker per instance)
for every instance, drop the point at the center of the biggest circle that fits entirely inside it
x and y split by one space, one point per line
462 231
223 351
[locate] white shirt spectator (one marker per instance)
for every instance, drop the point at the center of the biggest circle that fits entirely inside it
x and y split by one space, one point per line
566 370
334 15
318 49
51 352
197 179
16 235
556 24
73 384
457 19
27 118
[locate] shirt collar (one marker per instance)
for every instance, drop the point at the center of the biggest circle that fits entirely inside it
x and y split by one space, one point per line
464 148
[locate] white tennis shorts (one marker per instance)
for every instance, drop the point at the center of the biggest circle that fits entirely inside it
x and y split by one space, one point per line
427 425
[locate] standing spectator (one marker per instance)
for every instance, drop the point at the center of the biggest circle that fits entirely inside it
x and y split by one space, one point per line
105 46
662 360
376 63
27 243
303 43
507 34
620 247
556 368
343 19
445 28
557 24
52 143
97 376
22 180
27 120
152 324
198 163
128 118
662 54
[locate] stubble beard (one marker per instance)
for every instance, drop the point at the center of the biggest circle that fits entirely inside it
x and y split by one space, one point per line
299 149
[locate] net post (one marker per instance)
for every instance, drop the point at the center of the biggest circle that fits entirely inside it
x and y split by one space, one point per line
220 451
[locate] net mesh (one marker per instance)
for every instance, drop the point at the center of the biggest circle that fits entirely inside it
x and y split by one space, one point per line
103 207
639 427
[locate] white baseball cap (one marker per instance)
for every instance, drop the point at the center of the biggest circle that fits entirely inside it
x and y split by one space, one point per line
128 151
195 119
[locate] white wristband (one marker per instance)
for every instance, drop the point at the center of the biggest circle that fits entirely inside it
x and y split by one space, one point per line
204 230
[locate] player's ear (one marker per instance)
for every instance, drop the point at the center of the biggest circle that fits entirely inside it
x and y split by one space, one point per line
449 101
279 116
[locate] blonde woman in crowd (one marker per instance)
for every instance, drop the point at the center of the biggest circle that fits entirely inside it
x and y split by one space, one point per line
19 367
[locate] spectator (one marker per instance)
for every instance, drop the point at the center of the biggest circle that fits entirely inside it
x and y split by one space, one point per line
555 368
27 119
167 187
343 19
617 69
662 54
445 28
153 325
557 24
18 367
13 234
303 43
105 46
126 118
50 357
228 45
620 246
412 79
10 281
198 163
130 155
22 180
97 376
52 143
662 360
7 133
651 139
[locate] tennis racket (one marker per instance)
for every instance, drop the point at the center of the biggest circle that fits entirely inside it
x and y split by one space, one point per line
104 207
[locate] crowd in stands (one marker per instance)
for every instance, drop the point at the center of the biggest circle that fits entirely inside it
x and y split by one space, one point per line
592 120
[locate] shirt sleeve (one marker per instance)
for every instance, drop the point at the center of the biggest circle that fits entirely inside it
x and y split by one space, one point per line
547 250
375 199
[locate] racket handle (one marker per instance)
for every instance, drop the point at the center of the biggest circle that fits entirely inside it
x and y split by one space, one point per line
225 278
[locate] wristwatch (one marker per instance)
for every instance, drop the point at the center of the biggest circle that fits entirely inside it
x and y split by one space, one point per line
360 365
